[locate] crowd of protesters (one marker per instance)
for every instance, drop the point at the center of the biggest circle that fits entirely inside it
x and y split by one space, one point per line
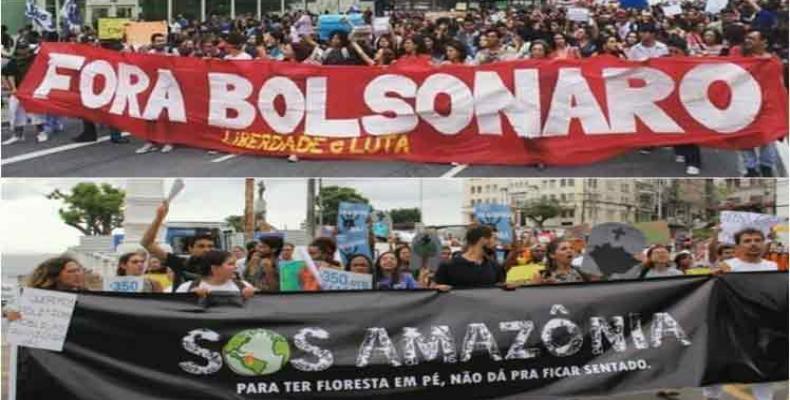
748 28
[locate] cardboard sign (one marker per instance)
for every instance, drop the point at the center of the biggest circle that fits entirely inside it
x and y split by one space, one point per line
112 28
521 274
124 284
381 26
353 243
335 279
352 217
292 276
734 221
178 186
656 232
578 14
611 249
46 316
671 10
139 33
497 216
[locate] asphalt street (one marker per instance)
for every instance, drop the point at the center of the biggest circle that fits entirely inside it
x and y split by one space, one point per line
62 158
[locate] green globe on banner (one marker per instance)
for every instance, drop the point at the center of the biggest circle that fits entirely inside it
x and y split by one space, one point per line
254 352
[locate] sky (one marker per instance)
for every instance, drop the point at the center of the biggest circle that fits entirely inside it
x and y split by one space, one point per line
31 223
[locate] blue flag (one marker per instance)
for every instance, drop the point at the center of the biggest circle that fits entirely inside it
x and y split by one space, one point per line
70 16
633 4
497 216
40 17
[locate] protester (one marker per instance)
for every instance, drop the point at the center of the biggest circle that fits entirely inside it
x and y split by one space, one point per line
322 251
360 264
261 271
62 273
683 261
217 271
158 46
559 255
183 269
403 253
658 264
750 245
287 252
390 276
473 268
13 73
133 264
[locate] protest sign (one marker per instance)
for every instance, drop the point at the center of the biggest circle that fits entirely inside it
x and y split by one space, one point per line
522 274
112 28
656 232
381 26
715 6
381 224
483 115
733 221
672 9
426 249
292 276
123 284
497 216
46 316
352 217
139 33
328 23
611 249
578 14
603 339
352 243
335 279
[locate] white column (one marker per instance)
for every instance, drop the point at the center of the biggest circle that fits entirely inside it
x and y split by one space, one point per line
232 9
282 7
258 9
169 11
202 10
143 196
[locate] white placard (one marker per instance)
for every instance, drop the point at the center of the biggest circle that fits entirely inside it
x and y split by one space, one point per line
46 316
670 10
734 221
178 186
335 279
578 14
124 284
381 26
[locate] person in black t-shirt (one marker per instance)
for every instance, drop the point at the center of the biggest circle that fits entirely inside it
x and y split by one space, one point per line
183 269
475 267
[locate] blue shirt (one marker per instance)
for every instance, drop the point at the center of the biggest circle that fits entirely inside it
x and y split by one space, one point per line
406 282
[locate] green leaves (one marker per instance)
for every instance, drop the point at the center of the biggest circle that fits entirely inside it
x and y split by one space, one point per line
90 208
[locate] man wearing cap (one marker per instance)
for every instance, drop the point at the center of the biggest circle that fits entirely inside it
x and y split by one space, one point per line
13 74
648 47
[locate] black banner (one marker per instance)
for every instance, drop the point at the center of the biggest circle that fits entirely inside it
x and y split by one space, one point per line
561 340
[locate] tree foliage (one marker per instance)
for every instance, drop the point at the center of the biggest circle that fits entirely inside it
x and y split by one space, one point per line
90 208
236 222
406 215
541 210
330 198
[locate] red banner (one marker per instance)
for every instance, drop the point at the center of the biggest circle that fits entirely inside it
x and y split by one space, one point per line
558 112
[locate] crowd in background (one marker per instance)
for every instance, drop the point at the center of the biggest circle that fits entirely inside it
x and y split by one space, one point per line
748 28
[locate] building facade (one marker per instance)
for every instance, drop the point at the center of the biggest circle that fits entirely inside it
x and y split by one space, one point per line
590 201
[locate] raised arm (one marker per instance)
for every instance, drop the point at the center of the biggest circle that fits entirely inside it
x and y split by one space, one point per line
149 238
362 54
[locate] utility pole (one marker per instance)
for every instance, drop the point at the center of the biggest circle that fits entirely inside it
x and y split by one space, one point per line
320 203
311 208
658 199
249 214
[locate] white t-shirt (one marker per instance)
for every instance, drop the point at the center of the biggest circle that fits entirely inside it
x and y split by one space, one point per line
738 265
228 286
641 52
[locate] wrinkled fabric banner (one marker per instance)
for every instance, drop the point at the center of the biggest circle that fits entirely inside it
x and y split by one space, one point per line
564 340
560 112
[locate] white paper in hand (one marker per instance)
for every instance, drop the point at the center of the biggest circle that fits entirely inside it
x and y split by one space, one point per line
46 316
178 186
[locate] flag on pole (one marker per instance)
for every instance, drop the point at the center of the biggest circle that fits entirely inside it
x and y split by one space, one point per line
40 17
70 16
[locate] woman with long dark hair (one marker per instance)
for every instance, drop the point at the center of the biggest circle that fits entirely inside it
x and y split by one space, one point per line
62 273
390 276
559 255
